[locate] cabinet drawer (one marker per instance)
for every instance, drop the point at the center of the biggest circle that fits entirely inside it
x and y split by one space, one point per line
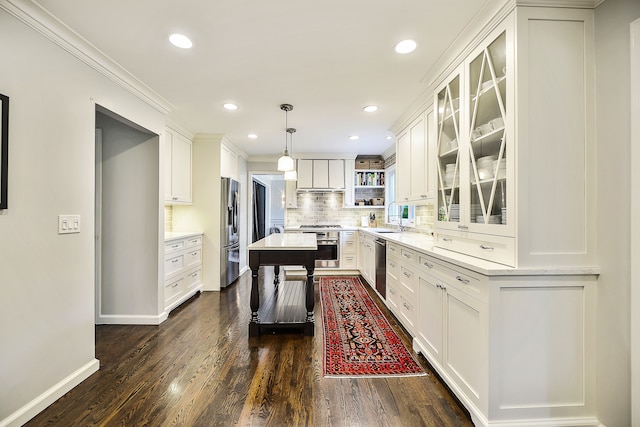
393 249
393 297
173 289
491 248
462 279
409 282
408 314
408 256
349 246
193 279
193 241
349 261
393 267
173 246
193 258
173 264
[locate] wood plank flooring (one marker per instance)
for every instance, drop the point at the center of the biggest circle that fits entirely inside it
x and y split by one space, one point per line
199 368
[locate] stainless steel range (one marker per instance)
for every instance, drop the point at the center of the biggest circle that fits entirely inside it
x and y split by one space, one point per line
328 241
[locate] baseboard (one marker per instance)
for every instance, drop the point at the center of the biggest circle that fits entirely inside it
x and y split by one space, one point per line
131 319
40 403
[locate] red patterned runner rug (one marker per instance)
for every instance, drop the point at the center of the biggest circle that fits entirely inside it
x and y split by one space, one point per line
358 339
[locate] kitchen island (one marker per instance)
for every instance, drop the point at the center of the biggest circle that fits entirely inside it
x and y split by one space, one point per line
293 304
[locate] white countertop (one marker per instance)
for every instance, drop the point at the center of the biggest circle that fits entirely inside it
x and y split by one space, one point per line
172 235
289 241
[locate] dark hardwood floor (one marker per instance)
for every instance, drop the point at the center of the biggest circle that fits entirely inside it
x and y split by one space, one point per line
199 368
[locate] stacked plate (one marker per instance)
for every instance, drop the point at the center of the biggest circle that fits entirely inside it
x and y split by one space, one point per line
504 216
449 174
493 219
455 212
500 169
485 167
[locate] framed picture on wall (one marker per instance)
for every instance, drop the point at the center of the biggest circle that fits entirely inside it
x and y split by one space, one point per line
4 149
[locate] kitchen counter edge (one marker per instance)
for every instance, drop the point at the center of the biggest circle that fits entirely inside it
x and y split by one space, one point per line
175 235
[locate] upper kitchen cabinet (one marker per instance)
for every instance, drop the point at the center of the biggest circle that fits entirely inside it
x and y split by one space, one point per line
515 149
413 152
177 162
321 174
228 163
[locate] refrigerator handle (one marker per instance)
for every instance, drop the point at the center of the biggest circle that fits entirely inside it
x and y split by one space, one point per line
235 212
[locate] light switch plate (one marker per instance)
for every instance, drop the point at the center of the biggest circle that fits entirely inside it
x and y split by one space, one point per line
68 224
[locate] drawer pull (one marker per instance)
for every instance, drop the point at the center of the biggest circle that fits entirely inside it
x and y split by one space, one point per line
175 285
463 227
462 279
447 239
393 291
426 264
407 306
174 260
407 274
406 255
194 274
174 246
488 248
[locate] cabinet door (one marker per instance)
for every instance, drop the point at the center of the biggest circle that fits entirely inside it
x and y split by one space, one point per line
429 328
417 165
228 163
488 139
449 151
430 154
403 162
349 189
465 340
181 169
321 174
336 174
291 194
167 143
305 173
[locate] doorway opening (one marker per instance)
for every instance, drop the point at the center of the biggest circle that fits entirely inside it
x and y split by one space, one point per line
127 221
267 204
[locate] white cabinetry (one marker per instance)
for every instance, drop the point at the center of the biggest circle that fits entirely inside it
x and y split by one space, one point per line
415 180
543 151
291 194
228 163
177 168
182 269
348 250
515 349
321 174
366 258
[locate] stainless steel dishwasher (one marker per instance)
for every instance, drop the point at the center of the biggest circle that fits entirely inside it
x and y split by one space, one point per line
381 267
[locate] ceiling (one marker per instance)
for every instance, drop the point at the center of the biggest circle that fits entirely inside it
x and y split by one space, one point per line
328 58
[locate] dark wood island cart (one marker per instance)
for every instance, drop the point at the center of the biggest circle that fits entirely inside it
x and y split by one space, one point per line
293 302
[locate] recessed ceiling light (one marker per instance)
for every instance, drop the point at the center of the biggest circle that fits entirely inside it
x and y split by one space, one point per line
354 137
252 136
180 40
230 106
370 108
406 46
388 137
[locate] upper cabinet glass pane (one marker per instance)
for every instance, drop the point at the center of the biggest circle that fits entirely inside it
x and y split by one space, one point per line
487 135
448 166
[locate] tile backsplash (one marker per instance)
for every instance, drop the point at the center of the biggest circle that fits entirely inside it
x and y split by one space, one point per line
327 208
168 218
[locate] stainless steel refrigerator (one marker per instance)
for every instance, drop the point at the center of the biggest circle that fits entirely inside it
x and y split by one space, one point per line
229 232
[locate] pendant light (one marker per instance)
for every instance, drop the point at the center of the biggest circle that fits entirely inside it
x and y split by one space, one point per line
285 163
291 175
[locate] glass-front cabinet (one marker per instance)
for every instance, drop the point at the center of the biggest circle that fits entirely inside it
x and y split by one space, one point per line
449 130
473 144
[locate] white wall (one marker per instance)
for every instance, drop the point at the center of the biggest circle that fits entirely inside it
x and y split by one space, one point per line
613 135
46 279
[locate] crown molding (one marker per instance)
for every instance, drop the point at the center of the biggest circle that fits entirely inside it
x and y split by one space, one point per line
40 20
